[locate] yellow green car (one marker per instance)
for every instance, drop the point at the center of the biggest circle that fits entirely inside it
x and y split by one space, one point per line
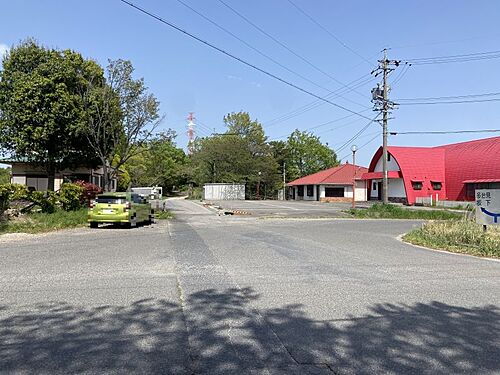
123 208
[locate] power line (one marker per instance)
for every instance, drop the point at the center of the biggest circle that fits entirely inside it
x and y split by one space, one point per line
447 132
307 15
309 106
360 147
454 58
449 97
285 46
254 48
452 102
234 57
357 134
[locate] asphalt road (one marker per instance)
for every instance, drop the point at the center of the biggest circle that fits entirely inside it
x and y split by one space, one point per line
207 294
298 209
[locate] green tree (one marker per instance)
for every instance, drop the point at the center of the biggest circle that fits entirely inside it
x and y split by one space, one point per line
5 174
241 155
306 154
41 108
121 117
161 163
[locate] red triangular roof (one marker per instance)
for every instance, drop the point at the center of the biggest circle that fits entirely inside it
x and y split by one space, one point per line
342 174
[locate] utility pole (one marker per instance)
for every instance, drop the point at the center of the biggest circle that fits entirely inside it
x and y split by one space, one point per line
354 148
380 96
284 180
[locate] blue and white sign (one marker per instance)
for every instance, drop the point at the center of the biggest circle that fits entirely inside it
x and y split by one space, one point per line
488 206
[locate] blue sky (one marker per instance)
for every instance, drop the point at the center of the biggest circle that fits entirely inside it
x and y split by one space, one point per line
187 76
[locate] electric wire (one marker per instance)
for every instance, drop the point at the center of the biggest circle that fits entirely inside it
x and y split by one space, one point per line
355 136
454 58
360 147
451 102
446 132
234 57
343 44
307 107
255 49
261 30
449 97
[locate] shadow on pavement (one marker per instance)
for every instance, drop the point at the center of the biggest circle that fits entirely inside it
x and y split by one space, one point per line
149 336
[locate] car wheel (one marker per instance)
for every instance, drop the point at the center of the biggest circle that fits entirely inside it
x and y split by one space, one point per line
94 224
133 222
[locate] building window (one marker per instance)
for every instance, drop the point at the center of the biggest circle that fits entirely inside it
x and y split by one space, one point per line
374 186
388 157
436 185
417 185
300 190
310 190
334 192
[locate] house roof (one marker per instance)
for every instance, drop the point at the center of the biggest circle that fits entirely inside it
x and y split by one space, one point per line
341 175
453 164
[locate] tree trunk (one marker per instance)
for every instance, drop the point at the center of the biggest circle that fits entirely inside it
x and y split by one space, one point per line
51 174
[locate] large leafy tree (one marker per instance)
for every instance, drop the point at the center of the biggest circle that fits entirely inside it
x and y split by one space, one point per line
41 109
161 163
306 154
121 117
242 155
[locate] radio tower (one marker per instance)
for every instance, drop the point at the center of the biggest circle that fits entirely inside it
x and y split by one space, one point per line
191 133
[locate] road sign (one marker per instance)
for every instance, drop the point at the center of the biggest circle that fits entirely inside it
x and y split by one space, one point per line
488 206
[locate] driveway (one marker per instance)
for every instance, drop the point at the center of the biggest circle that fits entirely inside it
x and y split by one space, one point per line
298 209
207 294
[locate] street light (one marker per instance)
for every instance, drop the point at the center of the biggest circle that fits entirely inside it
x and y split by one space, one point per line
354 148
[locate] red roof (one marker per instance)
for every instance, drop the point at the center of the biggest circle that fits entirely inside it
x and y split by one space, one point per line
482 181
452 165
341 175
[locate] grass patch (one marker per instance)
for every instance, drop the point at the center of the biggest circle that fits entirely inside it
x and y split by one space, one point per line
44 222
463 236
163 215
389 211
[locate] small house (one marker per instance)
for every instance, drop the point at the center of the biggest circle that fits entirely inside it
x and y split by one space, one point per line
331 185
35 177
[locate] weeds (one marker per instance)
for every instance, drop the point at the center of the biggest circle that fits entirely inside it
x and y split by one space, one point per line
389 211
45 222
463 236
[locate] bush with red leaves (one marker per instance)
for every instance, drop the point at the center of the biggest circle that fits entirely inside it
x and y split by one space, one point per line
90 191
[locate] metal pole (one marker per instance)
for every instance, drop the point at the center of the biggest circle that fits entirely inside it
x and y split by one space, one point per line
284 181
354 178
385 109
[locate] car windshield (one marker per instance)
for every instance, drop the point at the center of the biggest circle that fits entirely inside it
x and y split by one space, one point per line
111 199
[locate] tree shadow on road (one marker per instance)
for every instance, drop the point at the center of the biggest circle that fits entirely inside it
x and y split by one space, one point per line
227 334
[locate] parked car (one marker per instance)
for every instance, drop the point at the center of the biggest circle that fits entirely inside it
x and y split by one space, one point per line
124 208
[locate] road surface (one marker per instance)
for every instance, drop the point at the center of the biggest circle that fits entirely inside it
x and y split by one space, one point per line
205 294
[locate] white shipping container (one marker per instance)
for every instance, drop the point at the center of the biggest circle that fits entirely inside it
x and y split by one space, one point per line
223 191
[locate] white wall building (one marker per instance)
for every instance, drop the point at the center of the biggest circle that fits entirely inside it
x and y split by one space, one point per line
330 185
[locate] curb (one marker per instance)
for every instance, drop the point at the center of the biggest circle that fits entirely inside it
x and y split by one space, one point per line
400 239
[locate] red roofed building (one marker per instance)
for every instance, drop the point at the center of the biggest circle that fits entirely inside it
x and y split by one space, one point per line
333 184
449 172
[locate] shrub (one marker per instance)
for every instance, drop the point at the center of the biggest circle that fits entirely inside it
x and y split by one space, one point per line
89 192
10 192
46 200
71 196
